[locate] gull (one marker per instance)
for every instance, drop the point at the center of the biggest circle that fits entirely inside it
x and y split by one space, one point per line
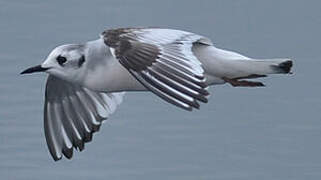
87 81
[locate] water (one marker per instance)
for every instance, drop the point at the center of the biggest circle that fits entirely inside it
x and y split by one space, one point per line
242 133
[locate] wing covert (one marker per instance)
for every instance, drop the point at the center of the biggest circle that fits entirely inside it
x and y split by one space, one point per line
163 61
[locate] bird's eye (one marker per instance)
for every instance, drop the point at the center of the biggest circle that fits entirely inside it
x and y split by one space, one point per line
61 60
81 61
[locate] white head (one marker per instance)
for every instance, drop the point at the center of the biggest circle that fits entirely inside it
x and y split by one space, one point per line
65 62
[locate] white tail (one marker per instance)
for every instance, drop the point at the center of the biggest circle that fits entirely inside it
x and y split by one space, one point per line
222 63
259 67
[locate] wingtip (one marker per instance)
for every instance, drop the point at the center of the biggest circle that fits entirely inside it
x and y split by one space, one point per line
68 153
56 158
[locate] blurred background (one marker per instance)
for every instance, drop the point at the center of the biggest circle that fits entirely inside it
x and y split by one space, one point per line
242 133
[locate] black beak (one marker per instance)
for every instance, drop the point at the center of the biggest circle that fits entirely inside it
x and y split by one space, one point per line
34 69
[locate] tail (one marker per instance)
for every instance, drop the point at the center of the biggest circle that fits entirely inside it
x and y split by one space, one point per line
284 67
260 67
249 69
231 66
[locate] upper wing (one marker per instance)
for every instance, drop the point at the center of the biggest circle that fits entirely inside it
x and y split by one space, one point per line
72 114
163 61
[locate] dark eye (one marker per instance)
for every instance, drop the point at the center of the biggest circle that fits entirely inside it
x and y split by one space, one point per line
61 60
81 61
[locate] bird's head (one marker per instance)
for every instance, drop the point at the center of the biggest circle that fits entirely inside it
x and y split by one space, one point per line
65 62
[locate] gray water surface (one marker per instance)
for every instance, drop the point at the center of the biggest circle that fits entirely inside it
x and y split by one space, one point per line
242 133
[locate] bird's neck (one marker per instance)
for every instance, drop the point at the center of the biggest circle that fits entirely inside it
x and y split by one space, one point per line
103 72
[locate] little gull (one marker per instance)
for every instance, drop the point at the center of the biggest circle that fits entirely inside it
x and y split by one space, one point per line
87 81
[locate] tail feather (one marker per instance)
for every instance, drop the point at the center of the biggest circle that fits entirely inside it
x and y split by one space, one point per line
283 67
227 64
263 67
258 67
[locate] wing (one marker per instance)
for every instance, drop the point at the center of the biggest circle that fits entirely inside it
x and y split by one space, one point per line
163 61
72 114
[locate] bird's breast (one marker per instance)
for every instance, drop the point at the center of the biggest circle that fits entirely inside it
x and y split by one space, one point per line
112 77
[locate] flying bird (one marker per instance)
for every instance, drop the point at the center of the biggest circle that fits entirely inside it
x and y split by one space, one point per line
87 81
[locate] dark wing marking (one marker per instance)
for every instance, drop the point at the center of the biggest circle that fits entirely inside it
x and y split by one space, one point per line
72 114
163 62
